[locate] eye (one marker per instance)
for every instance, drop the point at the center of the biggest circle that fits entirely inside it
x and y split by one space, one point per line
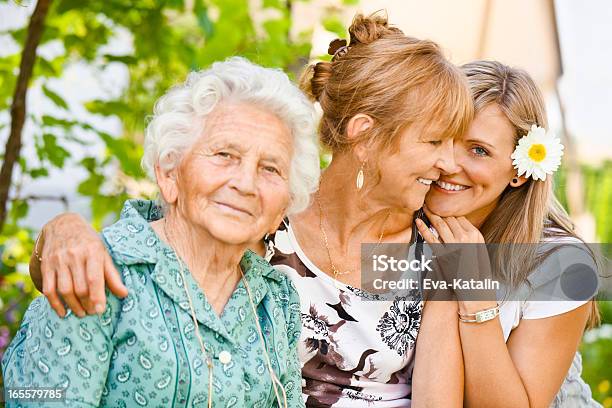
271 169
479 151
224 154
435 142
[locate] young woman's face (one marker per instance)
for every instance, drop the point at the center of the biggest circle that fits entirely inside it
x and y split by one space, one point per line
484 169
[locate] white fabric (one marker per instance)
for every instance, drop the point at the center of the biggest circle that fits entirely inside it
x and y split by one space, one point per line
522 305
354 352
574 391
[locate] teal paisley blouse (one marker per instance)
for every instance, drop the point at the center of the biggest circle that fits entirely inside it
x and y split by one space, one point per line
143 350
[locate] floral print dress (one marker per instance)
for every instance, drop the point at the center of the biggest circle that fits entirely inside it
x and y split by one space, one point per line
355 349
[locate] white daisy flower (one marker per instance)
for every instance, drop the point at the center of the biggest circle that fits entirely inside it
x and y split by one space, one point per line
537 154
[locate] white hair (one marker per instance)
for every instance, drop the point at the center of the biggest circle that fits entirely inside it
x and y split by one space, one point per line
179 116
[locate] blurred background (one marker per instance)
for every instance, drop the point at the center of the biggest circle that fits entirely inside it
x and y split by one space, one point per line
78 79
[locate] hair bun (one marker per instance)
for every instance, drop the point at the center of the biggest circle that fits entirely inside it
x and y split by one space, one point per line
367 29
335 45
314 79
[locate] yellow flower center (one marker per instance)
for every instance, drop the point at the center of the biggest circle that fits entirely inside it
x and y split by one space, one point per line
537 152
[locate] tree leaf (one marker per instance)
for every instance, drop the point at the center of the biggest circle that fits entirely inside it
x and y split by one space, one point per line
55 98
124 59
52 121
38 172
56 154
106 108
201 12
334 25
91 185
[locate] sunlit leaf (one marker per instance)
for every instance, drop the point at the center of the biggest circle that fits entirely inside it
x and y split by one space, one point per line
56 154
334 25
58 100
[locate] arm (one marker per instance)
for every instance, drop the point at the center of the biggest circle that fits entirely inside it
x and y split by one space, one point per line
74 267
53 352
438 371
527 371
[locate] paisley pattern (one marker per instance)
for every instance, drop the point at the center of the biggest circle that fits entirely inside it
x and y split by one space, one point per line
143 350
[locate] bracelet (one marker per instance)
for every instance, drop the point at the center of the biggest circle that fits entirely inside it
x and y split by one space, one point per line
481 316
36 253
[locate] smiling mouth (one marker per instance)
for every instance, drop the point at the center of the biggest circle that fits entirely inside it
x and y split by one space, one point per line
425 181
233 208
443 185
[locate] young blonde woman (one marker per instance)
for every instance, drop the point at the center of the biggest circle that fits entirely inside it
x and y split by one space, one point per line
391 108
501 192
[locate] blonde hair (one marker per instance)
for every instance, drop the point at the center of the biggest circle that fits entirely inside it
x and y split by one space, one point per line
395 79
530 212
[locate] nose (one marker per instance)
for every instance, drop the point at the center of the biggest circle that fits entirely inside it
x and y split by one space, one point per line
447 163
244 179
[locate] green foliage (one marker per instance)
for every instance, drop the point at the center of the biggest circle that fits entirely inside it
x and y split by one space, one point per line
597 185
598 191
596 352
597 346
16 290
333 24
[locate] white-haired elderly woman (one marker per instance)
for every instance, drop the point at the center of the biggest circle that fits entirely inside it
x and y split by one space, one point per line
207 322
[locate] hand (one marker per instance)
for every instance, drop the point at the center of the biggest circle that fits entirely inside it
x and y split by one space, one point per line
75 265
451 230
460 253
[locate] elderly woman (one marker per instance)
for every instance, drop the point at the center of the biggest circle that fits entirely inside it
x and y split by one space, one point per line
206 322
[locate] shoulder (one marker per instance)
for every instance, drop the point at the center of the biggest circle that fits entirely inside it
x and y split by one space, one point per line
566 278
561 253
280 288
131 240
277 281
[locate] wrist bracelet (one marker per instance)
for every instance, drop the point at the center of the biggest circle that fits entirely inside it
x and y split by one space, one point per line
481 316
36 253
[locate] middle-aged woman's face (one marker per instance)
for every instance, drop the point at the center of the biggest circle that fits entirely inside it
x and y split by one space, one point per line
234 181
408 174
484 168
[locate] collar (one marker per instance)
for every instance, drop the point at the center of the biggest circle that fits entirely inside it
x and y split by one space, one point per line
132 241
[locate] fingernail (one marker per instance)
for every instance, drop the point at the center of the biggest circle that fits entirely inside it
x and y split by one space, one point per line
99 308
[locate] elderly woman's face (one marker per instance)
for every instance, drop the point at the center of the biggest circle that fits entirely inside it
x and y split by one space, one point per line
234 181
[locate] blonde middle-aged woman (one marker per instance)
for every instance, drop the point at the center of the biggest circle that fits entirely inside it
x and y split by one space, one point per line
391 106
207 322
525 353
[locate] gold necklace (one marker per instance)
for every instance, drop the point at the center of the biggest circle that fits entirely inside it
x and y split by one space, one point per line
209 362
335 270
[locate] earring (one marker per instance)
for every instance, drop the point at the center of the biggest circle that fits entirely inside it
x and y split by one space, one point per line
360 177
515 180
